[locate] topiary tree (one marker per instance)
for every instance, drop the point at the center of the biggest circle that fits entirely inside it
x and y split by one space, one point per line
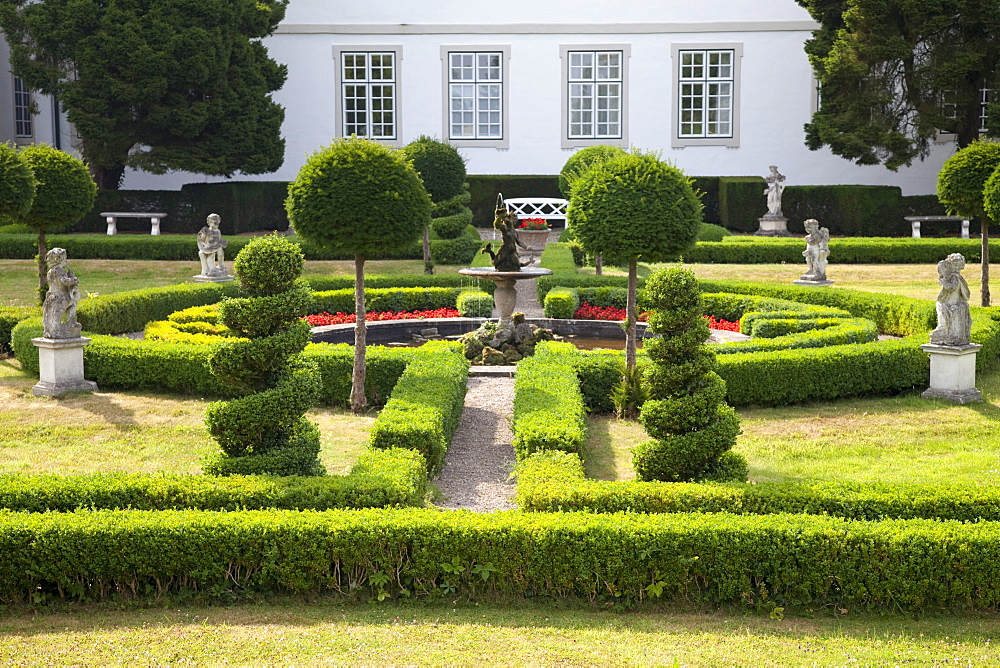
630 207
583 160
360 197
960 187
64 192
17 184
264 431
442 169
686 413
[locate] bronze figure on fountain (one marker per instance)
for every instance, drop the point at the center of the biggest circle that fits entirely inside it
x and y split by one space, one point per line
505 222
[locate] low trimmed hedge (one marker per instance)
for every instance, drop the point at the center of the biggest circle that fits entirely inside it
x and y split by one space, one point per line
9 317
379 479
426 404
790 560
548 405
555 482
857 250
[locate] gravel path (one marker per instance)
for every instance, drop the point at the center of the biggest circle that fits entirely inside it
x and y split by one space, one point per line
477 468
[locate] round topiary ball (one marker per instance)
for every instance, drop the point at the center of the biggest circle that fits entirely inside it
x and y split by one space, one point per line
440 165
583 160
963 176
991 196
17 185
268 265
64 191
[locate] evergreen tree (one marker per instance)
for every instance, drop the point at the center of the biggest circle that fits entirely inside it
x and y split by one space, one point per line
156 84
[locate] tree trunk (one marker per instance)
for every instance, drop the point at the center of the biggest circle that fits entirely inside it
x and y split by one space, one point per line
984 226
630 315
108 178
43 282
428 267
358 400
598 263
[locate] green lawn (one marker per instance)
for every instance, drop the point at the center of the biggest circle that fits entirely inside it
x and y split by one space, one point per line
443 633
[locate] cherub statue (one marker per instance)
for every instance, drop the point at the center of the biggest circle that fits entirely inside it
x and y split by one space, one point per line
59 309
506 259
816 252
954 321
210 248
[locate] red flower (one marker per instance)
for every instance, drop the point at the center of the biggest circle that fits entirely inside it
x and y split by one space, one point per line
533 224
339 318
590 312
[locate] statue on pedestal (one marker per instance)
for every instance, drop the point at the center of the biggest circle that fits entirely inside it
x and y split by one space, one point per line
816 252
775 186
506 259
954 321
210 249
59 309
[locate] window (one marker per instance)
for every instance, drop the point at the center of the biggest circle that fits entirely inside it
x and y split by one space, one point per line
22 109
367 79
949 108
984 99
594 97
706 107
476 95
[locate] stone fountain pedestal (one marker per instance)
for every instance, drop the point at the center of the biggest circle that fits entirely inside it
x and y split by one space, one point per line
505 295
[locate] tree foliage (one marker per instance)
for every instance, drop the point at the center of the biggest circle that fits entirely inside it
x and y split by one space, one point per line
440 166
582 160
17 185
156 84
895 72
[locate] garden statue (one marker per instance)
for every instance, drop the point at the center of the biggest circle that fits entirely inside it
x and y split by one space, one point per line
59 310
816 252
210 249
506 259
954 321
775 186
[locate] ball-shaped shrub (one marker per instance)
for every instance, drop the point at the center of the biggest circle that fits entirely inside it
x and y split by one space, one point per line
440 166
991 196
635 206
268 265
264 430
962 179
64 190
17 185
583 160
358 197
686 413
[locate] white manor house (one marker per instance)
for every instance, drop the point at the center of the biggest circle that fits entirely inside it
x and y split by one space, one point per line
719 87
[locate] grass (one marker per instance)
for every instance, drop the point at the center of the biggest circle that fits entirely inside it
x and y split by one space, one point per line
440 633
132 432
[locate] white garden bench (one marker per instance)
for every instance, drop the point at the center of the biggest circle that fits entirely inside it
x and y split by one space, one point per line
113 216
916 220
546 208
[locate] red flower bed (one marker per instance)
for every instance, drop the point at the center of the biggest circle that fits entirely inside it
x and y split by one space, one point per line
344 318
590 312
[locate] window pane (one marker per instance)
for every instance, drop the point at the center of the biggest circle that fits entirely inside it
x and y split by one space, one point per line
706 107
22 109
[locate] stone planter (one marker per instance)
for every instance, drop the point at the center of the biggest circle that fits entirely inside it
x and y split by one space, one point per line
535 240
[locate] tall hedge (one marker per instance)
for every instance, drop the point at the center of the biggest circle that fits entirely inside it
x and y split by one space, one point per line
263 430
686 413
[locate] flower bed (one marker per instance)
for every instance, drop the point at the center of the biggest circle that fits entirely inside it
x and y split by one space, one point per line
533 224
590 312
340 318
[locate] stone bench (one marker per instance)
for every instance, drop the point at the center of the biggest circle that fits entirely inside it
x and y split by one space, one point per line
546 208
916 220
113 216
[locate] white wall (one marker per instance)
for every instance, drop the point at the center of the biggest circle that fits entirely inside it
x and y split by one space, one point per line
776 84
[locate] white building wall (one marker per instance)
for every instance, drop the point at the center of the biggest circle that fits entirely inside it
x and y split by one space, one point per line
776 86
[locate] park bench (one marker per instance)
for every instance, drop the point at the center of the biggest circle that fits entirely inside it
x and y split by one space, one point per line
916 220
546 208
113 216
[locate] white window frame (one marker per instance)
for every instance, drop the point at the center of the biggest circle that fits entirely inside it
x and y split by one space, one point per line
984 97
503 141
731 139
619 139
24 125
340 52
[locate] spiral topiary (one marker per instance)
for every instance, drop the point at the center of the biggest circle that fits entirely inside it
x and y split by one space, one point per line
686 413
264 431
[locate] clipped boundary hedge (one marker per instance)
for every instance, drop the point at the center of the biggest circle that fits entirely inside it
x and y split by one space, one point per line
379 479
548 405
717 558
555 482
858 250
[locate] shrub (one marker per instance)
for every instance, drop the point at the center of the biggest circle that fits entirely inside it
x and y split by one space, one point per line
452 226
710 232
583 160
561 303
264 430
474 304
548 406
9 317
686 414
425 406
440 166
17 184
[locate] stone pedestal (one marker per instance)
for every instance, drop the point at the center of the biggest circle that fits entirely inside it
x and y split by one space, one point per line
776 226
953 372
813 284
201 278
60 367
